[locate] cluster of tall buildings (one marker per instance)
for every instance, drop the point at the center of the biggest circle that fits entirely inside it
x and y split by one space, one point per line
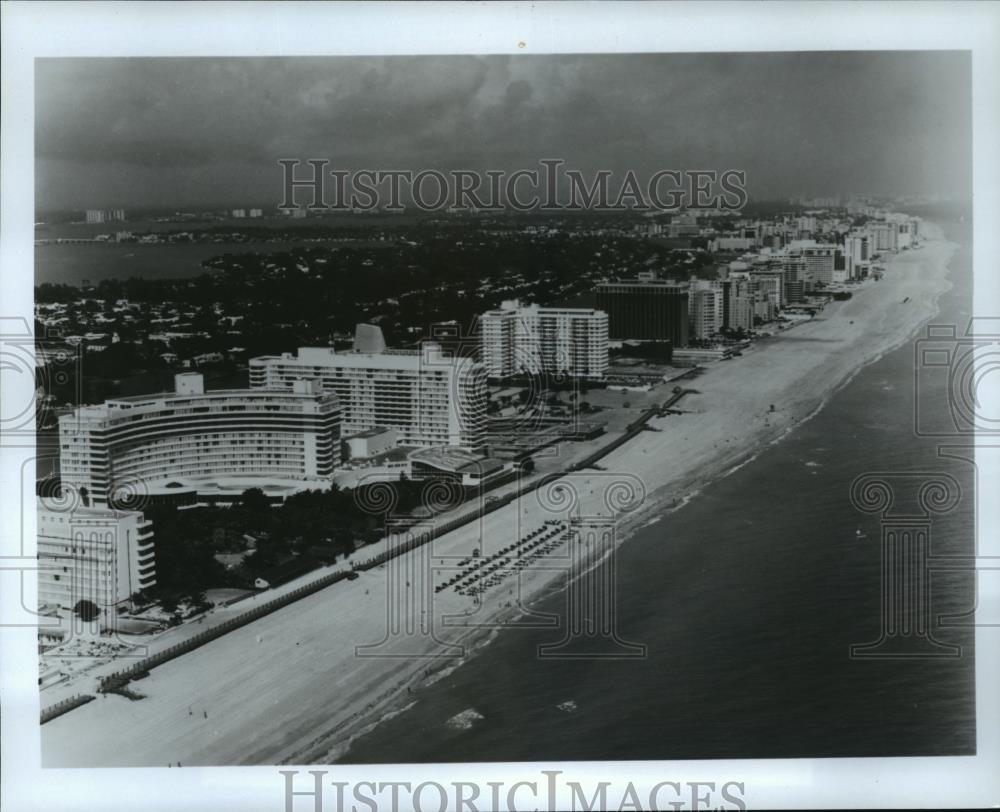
288 426
105 215
241 214
303 411
745 297
816 250
281 434
285 430
430 398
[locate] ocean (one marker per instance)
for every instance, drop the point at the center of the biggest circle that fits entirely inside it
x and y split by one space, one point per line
748 600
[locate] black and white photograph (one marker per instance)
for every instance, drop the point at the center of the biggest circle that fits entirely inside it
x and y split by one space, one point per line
506 405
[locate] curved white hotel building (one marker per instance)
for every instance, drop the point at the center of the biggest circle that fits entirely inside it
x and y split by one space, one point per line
430 398
215 443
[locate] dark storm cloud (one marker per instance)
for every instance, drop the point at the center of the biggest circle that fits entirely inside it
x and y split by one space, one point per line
135 131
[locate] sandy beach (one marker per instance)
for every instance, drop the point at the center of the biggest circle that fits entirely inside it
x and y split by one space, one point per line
292 688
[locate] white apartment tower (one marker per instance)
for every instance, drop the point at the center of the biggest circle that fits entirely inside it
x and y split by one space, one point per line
94 554
518 339
856 254
819 263
768 294
738 302
429 397
705 308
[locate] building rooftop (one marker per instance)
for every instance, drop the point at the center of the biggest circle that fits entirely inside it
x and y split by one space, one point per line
212 393
375 431
81 513
516 306
429 359
119 407
457 460
643 283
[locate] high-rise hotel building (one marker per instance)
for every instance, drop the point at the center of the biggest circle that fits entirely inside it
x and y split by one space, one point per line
857 251
738 302
218 441
428 396
645 309
706 313
820 261
518 339
94 554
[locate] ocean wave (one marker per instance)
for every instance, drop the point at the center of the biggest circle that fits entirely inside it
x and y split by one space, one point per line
464 720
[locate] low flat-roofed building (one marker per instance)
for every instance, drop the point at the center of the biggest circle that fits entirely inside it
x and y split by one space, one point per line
460 466
370 443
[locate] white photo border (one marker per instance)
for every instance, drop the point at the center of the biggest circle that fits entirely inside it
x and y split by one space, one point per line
98 29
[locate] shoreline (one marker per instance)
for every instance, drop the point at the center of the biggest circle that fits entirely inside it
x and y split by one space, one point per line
655 504
299 719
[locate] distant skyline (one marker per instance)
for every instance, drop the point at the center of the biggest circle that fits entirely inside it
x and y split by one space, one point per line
209 131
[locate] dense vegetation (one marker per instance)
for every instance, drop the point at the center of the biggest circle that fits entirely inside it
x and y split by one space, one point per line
420 276
324 525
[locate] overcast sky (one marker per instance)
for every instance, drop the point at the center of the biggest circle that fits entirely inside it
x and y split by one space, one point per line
184 132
